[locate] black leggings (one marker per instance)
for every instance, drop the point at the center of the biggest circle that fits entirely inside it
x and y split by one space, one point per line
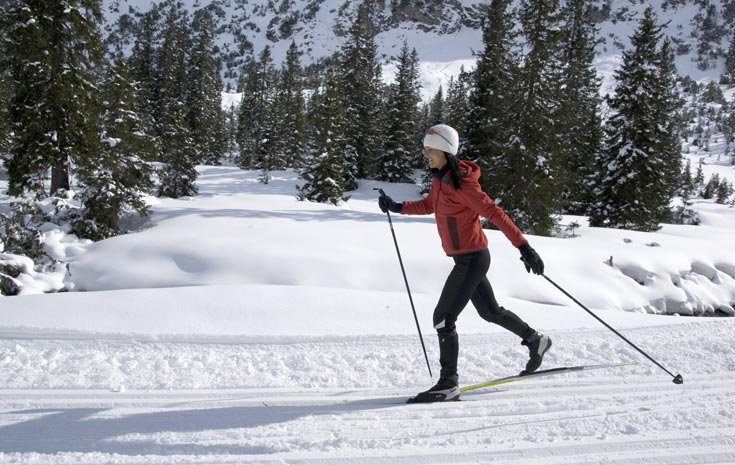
468 281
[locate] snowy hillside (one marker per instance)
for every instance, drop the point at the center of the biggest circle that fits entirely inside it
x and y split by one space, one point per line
239 231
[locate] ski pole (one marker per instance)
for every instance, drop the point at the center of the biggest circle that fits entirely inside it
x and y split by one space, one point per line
677 378
403 270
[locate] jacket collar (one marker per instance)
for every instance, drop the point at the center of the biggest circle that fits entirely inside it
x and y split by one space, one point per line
444 175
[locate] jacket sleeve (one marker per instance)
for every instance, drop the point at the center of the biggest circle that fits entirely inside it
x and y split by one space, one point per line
481 203
424 206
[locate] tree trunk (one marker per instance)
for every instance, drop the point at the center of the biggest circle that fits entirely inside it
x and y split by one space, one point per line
59 177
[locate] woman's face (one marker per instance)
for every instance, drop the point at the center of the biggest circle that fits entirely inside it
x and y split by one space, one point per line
435 158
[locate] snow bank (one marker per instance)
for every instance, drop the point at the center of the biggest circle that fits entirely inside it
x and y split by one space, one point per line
239 231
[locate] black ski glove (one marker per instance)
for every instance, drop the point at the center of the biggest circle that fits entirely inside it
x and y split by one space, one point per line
386 203
530 258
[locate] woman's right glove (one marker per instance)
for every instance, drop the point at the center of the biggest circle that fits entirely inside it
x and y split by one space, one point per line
386 203
531 259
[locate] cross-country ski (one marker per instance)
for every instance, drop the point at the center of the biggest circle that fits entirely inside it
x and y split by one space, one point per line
543 373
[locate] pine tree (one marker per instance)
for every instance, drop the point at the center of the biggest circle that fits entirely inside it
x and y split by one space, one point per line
579 123
4 103
699 177
53 50
256 121
710 189
178 174
457 101
247 114
493 95
230 125
265 150
401 146
144 69
118 178
531 192
362 93
729 74
4 123
669 137
290 134
327 167
4 84
723 191
205 115
436 108
631 192
710 33
686 189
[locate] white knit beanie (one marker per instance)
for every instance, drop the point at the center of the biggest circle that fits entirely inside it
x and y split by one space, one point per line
442 137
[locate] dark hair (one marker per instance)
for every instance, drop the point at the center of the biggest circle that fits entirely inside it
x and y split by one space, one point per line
454 169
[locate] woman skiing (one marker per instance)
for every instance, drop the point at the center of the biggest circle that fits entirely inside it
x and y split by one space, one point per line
457 201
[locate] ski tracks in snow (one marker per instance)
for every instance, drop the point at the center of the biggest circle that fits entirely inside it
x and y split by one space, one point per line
93 401
561 421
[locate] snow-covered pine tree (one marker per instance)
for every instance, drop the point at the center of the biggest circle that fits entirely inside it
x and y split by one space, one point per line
204 106
713 94
580 126
116 181
290 135
266 125
327 166
230 125
532 188
178 173
256 121
144 68
362 92
401 144
436 108
457 101
728 77
683 214
53 50
631 192
247 114
670 124
723 191
709 32
686 187
4 83
4 104
711 187
493 95
699 177
4 123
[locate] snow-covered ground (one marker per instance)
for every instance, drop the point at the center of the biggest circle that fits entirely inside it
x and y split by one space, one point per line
243 326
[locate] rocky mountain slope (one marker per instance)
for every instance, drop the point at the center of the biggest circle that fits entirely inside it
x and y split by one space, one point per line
444 32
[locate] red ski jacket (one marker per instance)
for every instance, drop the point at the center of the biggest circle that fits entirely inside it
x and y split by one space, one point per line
458 212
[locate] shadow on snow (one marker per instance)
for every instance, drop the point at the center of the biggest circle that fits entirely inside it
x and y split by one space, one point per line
78 430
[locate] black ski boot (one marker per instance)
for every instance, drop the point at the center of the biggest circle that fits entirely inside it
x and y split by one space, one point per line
537 344
448 386
445 390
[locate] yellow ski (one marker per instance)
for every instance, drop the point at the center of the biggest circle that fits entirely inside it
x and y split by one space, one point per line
549 372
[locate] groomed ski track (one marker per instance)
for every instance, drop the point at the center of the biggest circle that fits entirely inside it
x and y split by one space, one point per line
595 420
65 401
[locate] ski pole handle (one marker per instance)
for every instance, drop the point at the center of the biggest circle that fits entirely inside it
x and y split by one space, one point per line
390 221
